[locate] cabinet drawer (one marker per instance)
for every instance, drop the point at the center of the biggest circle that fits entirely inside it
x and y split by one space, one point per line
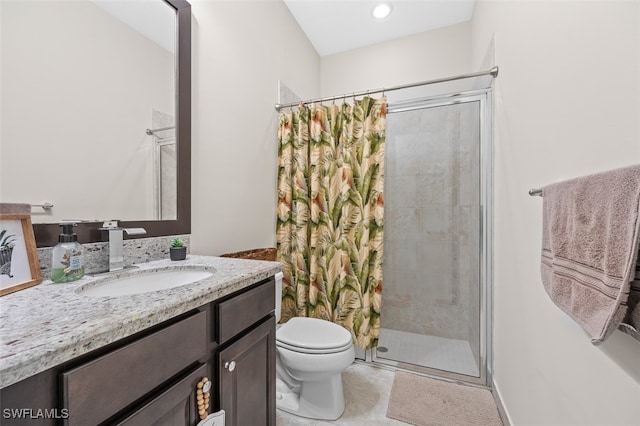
99 389
242 311
174 407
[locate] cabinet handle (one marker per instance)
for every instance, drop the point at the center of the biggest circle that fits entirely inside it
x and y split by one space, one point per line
230 365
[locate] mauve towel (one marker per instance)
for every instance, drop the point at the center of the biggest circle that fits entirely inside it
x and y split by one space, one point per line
590 247
631 322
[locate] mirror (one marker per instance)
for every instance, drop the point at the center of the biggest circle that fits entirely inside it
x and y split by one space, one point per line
85 89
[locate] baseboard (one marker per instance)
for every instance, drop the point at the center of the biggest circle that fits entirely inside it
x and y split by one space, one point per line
506 421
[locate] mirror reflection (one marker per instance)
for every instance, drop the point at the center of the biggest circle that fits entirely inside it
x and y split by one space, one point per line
85 86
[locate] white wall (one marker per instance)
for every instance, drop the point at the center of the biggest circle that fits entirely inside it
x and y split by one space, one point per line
425 56
240 51
567 104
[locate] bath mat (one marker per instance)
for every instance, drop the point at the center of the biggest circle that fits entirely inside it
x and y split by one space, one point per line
428 402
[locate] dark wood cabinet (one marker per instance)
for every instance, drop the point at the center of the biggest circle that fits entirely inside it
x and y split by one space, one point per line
131 372
246 358
247 377
151 377
238 313
174 407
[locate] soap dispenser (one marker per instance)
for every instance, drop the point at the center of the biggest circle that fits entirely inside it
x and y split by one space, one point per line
67 262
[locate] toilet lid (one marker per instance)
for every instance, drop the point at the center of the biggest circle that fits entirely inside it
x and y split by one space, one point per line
312 335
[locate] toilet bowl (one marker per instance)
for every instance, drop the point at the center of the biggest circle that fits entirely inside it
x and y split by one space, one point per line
311 355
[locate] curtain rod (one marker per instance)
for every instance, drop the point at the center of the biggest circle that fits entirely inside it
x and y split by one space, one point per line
493 72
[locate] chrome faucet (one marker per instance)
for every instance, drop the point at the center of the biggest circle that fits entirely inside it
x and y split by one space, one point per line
116 237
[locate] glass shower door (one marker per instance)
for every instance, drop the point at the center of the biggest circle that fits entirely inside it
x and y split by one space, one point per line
433 266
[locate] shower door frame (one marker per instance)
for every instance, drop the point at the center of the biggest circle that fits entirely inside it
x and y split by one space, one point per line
159 143
485 99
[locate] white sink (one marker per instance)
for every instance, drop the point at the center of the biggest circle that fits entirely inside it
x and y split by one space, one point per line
144 282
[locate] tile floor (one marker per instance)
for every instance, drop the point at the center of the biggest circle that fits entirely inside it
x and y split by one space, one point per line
366 391
428 351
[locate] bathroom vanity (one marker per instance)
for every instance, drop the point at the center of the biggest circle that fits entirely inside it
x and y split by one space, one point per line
73 359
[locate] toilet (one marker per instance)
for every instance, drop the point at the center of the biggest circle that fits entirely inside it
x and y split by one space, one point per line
311 355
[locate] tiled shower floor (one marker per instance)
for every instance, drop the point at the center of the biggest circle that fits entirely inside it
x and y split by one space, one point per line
428 351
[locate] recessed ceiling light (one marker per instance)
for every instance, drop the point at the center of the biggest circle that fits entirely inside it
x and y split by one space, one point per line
381 11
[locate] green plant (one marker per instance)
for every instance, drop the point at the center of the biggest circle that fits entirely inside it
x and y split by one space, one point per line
177 242
6 240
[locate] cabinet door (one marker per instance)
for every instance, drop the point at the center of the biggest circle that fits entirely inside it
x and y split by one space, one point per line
248 378
174 407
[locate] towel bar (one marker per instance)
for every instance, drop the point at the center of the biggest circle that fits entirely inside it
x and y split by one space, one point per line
535 192
45 205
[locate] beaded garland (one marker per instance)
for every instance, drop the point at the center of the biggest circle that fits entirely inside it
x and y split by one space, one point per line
202 397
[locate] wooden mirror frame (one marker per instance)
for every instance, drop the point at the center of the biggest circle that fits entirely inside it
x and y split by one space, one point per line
46 234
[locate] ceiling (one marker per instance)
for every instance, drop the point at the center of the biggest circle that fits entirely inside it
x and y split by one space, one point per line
335 26
154 20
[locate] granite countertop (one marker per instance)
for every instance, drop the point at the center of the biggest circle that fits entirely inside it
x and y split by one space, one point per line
48 324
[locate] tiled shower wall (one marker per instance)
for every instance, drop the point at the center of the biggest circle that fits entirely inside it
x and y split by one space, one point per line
431 276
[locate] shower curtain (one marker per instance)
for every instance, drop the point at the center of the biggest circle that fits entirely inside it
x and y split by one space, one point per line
330 214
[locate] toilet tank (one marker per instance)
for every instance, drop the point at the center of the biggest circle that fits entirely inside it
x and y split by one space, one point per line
278 277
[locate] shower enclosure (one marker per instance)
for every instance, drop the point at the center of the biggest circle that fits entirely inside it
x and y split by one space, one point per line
165 178
165 162
437 274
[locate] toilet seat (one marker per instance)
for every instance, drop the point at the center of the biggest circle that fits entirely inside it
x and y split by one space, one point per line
313 336
303 350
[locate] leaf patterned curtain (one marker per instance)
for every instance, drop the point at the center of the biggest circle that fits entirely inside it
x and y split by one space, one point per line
330 214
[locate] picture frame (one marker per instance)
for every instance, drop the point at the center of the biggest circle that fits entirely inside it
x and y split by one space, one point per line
19 264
